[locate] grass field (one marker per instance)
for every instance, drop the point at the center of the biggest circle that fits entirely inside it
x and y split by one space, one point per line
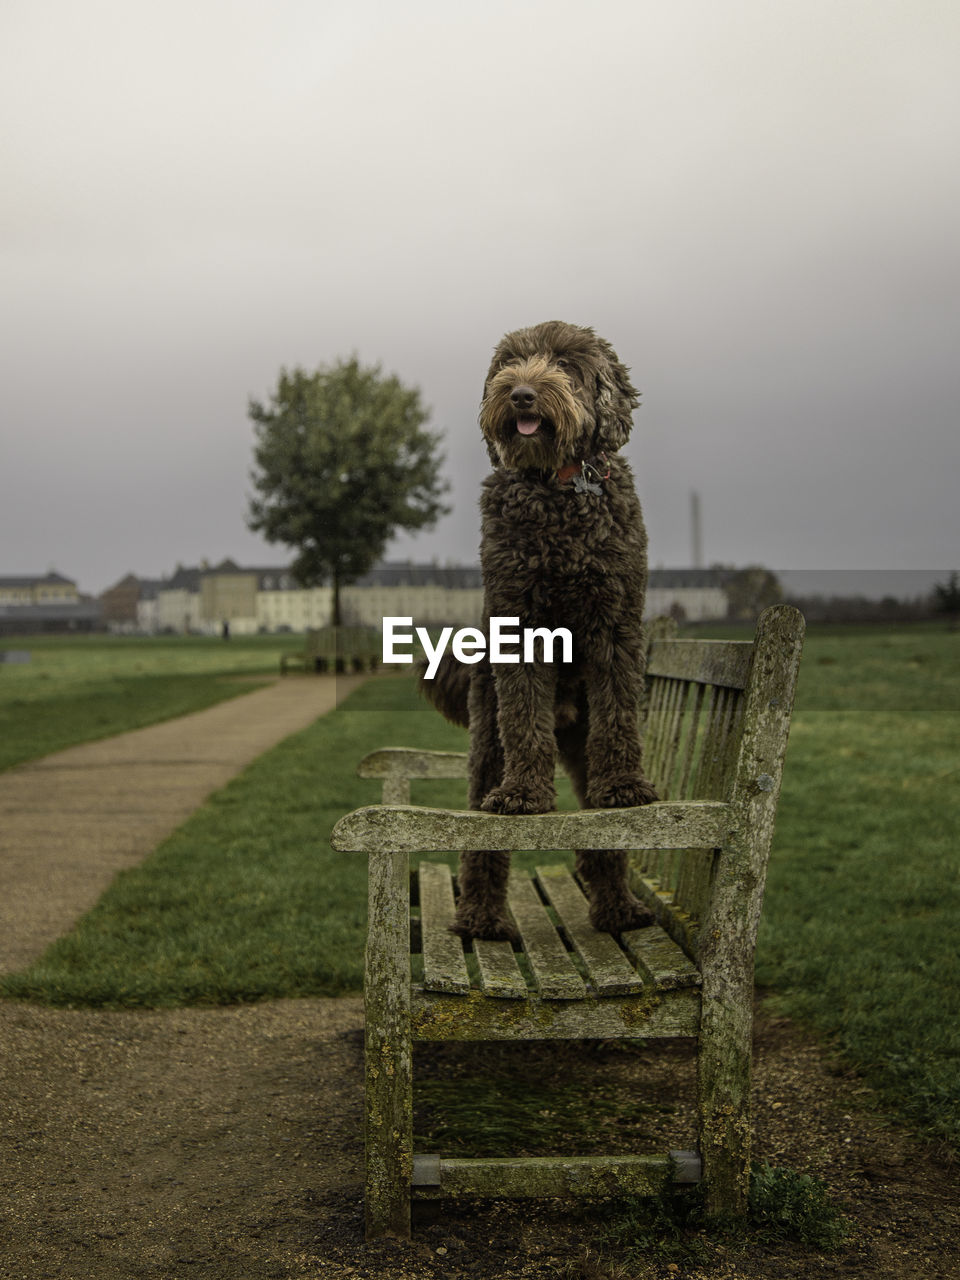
862 915
78 688
247 901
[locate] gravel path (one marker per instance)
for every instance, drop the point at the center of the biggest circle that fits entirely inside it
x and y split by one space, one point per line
71 821
225 1144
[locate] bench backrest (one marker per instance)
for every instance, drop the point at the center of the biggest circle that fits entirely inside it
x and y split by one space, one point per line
694 711
694 746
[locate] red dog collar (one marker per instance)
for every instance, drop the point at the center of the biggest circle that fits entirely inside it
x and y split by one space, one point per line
593 470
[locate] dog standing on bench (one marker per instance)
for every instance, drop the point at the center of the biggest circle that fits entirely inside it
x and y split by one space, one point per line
563 545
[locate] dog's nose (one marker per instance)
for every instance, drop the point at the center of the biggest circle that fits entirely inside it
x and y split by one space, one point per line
523 397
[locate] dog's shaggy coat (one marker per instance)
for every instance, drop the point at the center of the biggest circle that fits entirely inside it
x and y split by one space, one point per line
563 545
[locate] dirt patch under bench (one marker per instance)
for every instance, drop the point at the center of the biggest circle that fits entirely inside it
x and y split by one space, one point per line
225 1143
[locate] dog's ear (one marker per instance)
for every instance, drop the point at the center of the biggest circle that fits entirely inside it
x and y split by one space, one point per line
616 401
495 459
495 364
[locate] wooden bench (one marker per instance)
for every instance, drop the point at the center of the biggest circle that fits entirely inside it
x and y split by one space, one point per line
337 649
715 727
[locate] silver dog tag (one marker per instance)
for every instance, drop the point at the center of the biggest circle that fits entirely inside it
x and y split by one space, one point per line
582 485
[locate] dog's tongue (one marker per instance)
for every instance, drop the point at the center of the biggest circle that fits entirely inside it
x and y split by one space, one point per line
527 426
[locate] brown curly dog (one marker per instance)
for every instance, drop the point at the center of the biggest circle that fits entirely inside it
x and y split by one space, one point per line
563 545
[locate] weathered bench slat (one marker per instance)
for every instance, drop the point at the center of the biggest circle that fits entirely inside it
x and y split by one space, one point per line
664 727
442 1015
654 741
732 734
725 742
657 693
659 959
676 729
689 824
551 1175
694 880
499 970
722 744
670 916
444 964
653 719
683 791
553 970
725 663
609 970
701 771
717 746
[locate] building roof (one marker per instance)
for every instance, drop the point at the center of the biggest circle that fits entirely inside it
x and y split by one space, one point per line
404 573
188 579
183 580
35 579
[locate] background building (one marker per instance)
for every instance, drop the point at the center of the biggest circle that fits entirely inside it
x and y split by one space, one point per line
178 602
52 588
689 595
263 600
38 605
121 603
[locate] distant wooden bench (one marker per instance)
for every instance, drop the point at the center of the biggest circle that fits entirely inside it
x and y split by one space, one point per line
337 649
716 724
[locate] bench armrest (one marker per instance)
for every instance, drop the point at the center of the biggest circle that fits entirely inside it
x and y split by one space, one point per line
665 824
408 762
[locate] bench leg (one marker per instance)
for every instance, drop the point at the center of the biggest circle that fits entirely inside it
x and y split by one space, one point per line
388 1052
723 1088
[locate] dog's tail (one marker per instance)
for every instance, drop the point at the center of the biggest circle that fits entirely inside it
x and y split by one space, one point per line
449 690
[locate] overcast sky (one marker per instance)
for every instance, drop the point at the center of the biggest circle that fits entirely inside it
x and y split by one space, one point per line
756 201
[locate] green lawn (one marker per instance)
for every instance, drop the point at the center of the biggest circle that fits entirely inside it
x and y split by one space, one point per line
78 688
247 900
862 914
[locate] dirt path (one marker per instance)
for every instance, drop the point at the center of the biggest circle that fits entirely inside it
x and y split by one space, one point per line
71 821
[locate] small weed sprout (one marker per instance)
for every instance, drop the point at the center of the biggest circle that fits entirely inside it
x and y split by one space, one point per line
673 1227
786 1205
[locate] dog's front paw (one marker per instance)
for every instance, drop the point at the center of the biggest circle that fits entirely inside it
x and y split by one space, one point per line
486 925
616 917
519 799
625 792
